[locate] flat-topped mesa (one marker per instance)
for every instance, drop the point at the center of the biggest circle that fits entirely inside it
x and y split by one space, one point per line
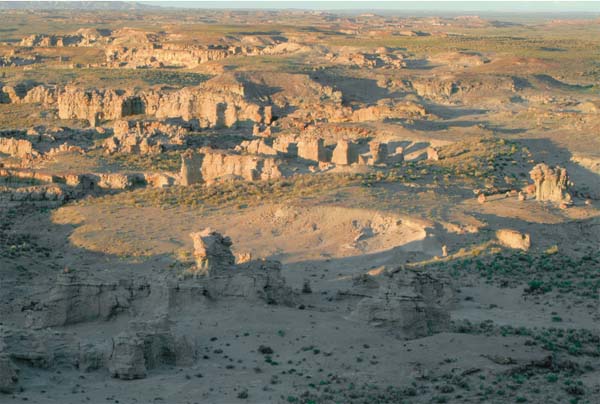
551 184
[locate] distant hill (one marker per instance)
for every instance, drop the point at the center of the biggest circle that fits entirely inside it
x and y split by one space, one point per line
74 5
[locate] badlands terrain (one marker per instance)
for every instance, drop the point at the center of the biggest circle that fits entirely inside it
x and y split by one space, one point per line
298 207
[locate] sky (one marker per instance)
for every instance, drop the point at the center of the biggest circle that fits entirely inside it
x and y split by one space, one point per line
437 6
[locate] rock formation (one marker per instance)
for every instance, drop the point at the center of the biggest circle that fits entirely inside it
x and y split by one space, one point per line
410 303
514 239
551 184
20 148
432 154
212 252
8 375
379 152
252 280
76 299
191 166
343 154
312 149
146 346
145 137
209 165
127 358
257 146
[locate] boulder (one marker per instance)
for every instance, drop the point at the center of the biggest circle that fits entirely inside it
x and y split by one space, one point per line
514 239
432 154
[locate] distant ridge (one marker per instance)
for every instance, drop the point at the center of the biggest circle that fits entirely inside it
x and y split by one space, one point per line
75 5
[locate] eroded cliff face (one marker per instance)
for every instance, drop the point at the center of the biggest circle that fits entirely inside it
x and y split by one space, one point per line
210 108
209 165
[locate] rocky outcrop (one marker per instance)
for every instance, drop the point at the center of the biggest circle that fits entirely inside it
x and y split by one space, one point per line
410 303
252 280
44 40
155 54
551 184
211 107
385 109
312 149
145 137
344 153
209 165
76 299
514 239
212 252
97 105
35 193
148 345
24 93
15 61
257 146
127 358
255 280
40 348
382 58
191 168
432 154
20 148
379 152
9 376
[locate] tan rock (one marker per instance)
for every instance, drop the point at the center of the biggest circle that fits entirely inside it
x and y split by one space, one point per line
312 149
379 152
432 154
212 252
514 239
551 184
343 154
